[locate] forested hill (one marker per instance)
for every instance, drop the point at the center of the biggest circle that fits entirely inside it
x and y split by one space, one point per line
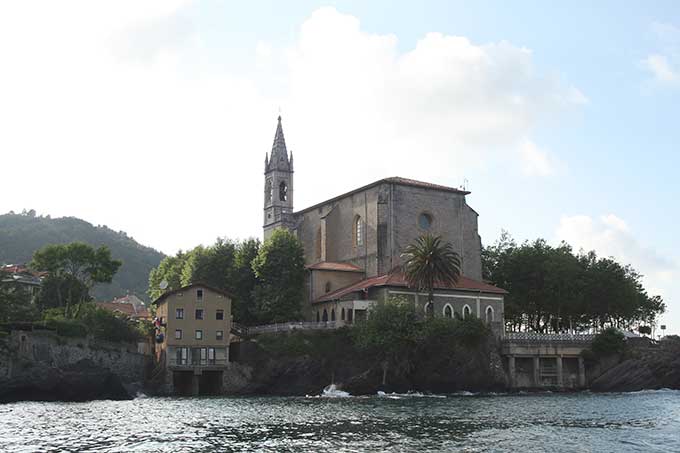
23 234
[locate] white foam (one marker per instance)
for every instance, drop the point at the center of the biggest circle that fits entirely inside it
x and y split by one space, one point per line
333 392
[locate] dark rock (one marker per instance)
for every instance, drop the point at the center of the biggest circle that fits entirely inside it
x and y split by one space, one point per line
81 381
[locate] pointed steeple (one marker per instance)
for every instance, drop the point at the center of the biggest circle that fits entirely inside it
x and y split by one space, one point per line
279 156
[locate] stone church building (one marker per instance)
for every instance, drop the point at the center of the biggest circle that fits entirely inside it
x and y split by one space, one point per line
353 243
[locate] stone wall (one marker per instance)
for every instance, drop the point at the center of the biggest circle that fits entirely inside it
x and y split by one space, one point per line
45 348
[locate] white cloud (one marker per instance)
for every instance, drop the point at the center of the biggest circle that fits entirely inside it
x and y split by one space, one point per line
535 161
128 119
664 65
610 236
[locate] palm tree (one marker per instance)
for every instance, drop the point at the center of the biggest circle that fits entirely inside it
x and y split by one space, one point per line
429 261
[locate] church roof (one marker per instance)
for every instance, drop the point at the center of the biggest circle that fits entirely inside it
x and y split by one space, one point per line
331 266
398 279
391 180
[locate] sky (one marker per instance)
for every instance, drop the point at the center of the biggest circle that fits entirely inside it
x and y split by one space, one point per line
154 117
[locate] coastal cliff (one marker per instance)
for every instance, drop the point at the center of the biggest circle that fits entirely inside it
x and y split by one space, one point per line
41 366
304 363
643 367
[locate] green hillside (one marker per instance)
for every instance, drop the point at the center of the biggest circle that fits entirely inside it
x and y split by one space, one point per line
23 234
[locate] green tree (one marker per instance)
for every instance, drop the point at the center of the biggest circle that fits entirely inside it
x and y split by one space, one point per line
389 334
169 270
245 282
79 262
280 269
428 262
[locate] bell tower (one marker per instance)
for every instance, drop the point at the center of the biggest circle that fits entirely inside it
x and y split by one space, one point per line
278 185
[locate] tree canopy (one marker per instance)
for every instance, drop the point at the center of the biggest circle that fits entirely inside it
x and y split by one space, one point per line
552 289
280 271
225 265
73 270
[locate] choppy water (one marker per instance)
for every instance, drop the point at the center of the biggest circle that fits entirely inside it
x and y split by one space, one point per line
645 421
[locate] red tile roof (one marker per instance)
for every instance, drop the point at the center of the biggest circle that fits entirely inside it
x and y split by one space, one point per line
331 266
126 309
398 279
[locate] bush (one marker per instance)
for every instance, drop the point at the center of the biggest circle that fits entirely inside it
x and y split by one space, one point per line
608 342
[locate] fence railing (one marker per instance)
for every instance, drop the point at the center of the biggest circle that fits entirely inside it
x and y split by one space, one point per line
174 362
548 337
289 326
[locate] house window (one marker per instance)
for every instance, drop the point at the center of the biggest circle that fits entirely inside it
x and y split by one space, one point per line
425 221
199 313
199 335
332 314
219 315
182 356
358 231
179 313
342 314
199 295
448 311
328 287
466 312
324 318
219 335
178 334
318 316
211 356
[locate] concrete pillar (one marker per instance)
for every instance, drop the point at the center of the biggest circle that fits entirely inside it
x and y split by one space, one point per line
537 371
194 384
511 370
581 372
479 313
559 370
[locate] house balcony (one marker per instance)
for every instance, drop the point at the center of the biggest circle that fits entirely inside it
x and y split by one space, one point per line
207 364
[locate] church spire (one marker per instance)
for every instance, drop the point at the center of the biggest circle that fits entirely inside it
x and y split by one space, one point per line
279 155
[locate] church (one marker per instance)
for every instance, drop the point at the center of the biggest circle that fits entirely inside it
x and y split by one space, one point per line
353 243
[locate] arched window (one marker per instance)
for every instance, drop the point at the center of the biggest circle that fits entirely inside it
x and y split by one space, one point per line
429 309
318 316
342 314
489 314
324 318
466 312
425 221
327 287
268 189
332 314
283 191
358 231
448 311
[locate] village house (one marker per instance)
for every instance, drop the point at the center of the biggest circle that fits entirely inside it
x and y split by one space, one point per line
193 338
353 244
23 278
131 306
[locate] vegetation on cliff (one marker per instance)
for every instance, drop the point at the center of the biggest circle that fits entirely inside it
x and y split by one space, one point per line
392 350
552 289
22 234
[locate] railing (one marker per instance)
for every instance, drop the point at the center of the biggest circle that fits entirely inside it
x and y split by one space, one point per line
174 362
289 326
548 337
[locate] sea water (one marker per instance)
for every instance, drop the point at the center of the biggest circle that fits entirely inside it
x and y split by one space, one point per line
647 421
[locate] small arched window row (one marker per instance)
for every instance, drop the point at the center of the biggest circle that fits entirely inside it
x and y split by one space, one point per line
467 312
448 311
